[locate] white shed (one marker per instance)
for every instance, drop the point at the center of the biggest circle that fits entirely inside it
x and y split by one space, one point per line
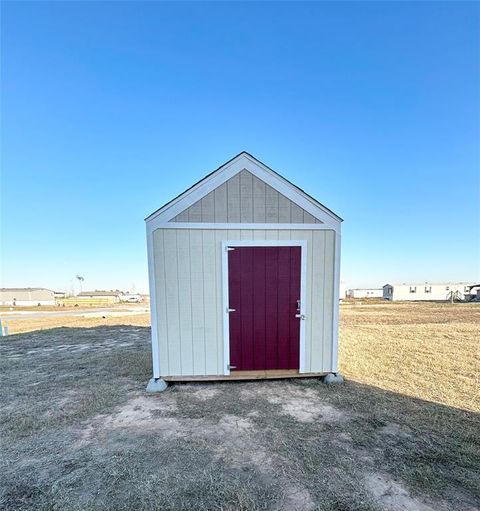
244 279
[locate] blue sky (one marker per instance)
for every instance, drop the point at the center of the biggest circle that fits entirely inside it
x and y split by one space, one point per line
111 109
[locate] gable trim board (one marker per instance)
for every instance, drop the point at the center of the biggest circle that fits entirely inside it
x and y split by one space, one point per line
171 245
243 161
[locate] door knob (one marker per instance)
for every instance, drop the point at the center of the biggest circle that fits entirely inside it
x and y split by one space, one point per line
300 316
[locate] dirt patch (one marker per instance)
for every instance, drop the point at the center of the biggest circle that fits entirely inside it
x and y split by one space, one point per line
233 440
395 430
205 393
392 496
304 405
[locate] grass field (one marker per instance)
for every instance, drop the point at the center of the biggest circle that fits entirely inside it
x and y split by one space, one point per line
79 433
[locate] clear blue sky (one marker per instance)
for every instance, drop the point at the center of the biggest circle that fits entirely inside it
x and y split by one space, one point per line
111 109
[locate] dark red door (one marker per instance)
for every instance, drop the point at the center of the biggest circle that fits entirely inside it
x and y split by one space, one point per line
264 286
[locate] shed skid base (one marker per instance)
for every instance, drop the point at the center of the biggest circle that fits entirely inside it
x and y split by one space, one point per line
333 378
156 385
247 375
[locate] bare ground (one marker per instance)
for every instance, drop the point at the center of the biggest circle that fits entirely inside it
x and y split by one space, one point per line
79 433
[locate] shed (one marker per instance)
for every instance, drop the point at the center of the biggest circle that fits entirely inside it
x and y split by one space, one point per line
244 281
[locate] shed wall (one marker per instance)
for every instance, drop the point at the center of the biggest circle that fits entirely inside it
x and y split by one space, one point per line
245 199
188 286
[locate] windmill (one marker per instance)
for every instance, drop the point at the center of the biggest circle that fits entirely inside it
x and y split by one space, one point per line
80 280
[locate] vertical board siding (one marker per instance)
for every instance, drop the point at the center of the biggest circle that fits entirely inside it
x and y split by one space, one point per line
246 196
220 235
317 301
185 301
233 199
208 207
198 302
210 309
308 306
296 214
259 201
328 299
247 199
188 273
161 299
195 212
220 203
271 205
171 296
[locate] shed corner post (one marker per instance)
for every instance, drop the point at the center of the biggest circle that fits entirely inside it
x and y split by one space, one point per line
153 301
336 300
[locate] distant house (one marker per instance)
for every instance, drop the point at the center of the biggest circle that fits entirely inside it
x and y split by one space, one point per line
26 296
427 291
100 296
365 293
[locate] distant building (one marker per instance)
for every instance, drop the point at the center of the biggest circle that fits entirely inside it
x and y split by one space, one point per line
365 293
474 293
427 291
103 296
131 298
26 296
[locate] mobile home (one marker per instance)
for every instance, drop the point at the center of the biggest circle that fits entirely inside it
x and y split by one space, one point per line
365 293
426 291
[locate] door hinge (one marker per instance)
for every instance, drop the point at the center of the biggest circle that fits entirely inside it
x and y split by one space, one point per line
228 249
230 310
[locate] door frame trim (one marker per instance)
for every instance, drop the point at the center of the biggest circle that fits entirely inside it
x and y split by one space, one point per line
303 291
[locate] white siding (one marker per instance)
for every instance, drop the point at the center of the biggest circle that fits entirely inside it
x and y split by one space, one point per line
188 270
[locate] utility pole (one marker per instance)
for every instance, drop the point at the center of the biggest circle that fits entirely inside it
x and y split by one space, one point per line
80 280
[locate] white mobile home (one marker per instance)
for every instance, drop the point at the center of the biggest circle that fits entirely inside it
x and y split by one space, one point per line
426 291
365 293
244 279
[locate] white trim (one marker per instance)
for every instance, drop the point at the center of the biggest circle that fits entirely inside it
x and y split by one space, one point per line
225 304
154 224
153 304
303 308
336 301
303 244
223 174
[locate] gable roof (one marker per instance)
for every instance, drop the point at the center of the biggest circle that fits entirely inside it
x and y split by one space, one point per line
232 167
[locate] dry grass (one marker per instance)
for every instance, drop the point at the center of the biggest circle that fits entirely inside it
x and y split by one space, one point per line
23 325
426 350
79 433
